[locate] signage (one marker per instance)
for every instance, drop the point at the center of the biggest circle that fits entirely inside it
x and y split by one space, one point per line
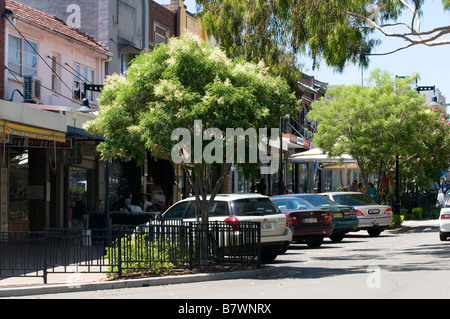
5 138
299 141
28 142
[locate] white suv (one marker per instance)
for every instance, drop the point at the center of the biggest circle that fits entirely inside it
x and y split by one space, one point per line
276 235
444 220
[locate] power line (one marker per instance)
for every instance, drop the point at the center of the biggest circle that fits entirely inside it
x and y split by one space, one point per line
43 86
51 68
21 83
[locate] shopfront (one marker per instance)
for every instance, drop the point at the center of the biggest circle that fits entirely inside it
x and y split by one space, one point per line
31 141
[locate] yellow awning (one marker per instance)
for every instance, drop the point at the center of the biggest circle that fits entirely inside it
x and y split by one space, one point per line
32 132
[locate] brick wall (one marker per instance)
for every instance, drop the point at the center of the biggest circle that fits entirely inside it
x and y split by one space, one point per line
162 16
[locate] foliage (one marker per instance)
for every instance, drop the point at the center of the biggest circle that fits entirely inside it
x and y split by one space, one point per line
176 85
138 253
79 190
397 221
336 31
377 123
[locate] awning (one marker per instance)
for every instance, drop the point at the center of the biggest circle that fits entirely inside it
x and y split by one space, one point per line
23 130
24 121
316 155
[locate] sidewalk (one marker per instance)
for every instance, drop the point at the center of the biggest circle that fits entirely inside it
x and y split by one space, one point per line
417 225
61 283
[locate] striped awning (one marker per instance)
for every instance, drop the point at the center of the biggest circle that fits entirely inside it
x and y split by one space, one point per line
23 130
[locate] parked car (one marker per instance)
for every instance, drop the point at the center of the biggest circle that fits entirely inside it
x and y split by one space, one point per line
344 217
372 217
276 234
309 223
444 222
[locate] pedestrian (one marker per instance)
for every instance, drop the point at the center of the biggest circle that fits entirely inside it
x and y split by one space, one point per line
354 186
441 198
372 191
261 187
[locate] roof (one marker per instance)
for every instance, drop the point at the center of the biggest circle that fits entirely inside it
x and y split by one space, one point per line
48 22
230 197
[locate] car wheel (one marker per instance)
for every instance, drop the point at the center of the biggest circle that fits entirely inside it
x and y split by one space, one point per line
314 243
374 232
284 249
337 238
443 236
268 255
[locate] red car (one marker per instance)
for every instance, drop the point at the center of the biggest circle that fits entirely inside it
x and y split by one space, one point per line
309 223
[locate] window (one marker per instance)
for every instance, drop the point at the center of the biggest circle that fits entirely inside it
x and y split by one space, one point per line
90 94
56 71
161 34
82 75
22 56
125 60
176 212
159 39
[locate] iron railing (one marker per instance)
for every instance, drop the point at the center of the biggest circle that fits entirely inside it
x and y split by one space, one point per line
155 245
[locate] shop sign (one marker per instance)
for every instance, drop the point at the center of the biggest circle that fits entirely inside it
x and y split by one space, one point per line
28 142
299 141
5 138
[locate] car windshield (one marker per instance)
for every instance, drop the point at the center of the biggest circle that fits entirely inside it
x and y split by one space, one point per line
318 200
293 203
353 199
254 206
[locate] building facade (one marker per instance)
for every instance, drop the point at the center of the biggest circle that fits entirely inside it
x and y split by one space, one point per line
120 25
45 151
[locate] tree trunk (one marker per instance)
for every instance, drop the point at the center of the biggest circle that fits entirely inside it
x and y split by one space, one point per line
203 206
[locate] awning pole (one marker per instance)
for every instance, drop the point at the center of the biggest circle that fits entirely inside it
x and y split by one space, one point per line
4 142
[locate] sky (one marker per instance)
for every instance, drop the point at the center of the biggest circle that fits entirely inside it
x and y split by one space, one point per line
431 63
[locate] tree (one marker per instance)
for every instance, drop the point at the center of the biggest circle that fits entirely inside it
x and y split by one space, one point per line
336 31
190 87
375 124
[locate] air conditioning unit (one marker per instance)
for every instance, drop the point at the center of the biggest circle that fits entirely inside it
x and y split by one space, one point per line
32 90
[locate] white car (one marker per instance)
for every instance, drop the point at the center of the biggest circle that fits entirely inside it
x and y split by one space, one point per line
444 222
372 217
276 233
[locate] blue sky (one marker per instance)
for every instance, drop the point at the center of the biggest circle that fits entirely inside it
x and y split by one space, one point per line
431 63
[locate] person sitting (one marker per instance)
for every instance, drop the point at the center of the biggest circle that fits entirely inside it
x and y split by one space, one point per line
131 206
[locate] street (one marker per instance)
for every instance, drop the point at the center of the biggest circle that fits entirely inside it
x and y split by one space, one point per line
412 263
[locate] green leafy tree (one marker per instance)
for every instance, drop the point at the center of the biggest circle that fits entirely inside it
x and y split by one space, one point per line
375 124
176 86
336 31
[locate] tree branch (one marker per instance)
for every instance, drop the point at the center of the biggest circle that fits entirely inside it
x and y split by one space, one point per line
391 52
435 33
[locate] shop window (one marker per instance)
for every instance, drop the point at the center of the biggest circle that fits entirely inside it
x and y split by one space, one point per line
78 200
18 183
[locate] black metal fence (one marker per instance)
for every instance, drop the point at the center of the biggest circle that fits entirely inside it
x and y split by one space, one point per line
154 247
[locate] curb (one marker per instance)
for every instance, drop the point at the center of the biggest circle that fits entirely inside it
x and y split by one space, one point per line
135 283
411 225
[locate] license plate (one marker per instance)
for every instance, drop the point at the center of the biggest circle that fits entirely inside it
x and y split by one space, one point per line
374 211
338 215
266 226
310 220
